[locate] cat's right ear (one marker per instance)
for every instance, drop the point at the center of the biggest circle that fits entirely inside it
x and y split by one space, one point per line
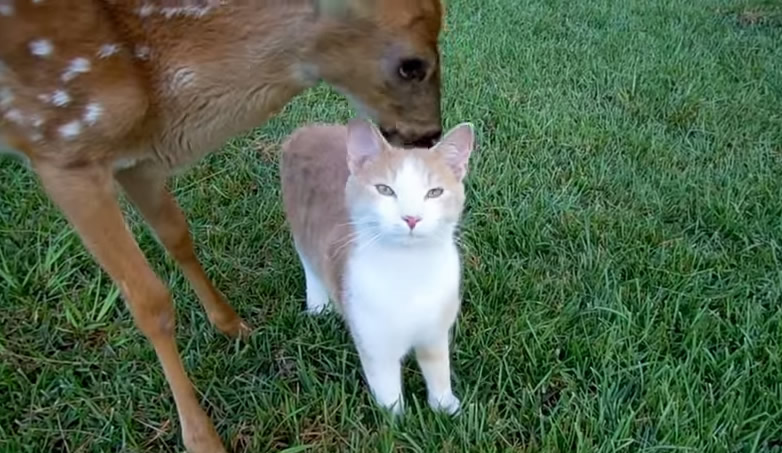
364 143
456 147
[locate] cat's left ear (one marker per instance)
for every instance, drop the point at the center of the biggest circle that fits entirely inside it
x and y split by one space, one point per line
364 143
456 147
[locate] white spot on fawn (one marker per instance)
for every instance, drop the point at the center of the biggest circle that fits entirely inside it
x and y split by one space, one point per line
92 113
107 50
78 66
124 163
15 116
6 9
70 130
183 77
142 52
146 10
37 2
60 98
188 11
6 97
41 47
36 120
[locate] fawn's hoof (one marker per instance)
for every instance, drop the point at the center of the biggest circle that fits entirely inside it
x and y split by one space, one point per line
231 325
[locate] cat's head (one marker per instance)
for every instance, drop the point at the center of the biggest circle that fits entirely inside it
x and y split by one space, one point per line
407 195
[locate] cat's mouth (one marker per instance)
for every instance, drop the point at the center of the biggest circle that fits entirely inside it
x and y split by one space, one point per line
412 237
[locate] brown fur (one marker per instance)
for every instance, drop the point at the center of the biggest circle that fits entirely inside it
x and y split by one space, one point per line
179 84
313 173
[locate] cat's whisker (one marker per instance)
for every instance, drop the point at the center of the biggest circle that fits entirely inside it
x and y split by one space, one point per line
357 228
355 223
347 238
350 240
345 242
370 242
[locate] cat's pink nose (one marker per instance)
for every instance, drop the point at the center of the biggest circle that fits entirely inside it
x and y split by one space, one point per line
411 221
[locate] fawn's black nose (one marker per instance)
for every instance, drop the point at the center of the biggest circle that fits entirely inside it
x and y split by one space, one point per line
421 141
428 140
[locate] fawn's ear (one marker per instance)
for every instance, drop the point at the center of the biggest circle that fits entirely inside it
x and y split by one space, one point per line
364 143
456 147
341 9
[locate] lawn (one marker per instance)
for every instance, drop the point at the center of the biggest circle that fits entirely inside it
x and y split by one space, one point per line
622 248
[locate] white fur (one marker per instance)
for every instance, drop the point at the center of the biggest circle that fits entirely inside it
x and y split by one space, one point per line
108 50
92 112
6 97
125 163
395 300
70 130
181 78
142 52
15 116
77 66
59 98
146 10
189 11
41 47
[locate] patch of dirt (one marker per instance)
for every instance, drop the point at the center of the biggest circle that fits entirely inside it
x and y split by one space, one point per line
756 16
242 441
550 396
286 367
269 152
749 18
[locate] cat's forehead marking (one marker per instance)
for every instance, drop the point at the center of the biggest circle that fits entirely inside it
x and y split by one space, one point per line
412 172
411 182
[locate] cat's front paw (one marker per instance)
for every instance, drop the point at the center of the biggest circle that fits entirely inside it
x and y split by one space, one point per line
448 403
316 308
396 407
317 304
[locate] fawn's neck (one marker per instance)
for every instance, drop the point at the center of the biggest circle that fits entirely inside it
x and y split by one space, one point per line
222 74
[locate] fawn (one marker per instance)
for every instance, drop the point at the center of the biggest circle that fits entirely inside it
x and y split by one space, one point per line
94 92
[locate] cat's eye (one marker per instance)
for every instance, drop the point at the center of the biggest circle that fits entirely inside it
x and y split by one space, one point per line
383 189
434 193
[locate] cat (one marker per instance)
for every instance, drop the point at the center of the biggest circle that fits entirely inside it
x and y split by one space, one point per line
374 229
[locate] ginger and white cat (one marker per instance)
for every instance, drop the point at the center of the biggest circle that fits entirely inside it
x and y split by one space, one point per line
374 228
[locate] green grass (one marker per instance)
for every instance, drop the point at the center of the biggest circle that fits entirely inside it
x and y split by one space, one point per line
622 248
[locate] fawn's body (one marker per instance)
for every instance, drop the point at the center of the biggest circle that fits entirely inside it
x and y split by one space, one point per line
95 92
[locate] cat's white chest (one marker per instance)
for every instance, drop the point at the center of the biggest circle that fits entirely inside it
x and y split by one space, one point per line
411 294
